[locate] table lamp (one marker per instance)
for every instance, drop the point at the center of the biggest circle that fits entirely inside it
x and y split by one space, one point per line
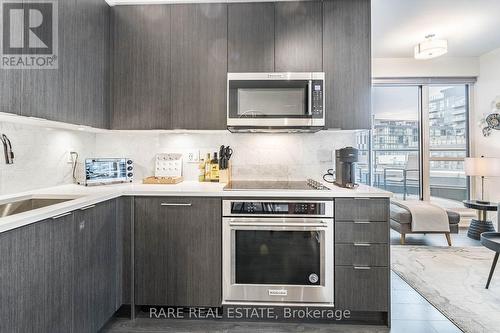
482 167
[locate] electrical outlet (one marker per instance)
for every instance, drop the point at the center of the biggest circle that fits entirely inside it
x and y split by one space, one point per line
192 156
70 157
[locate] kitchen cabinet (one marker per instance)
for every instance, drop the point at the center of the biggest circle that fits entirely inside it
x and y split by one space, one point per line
95 266
198 65
362 254
178 251
364 289
124 213
36 277
251 37
92 63
50 93
141 74
347 63
76 92
10 91
361 209
298 34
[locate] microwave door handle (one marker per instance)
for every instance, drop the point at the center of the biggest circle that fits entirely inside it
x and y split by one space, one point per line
309 98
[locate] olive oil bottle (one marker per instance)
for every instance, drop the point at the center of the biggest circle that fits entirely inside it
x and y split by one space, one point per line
201 171
214 169
208 168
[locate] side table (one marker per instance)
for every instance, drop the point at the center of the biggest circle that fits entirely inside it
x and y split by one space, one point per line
481 224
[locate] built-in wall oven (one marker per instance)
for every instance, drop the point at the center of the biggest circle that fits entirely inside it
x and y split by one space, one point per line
287 102
278 251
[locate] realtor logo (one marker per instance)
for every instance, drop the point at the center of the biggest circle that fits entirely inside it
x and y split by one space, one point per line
28 34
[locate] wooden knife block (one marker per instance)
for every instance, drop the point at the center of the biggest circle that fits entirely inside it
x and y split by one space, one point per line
225 175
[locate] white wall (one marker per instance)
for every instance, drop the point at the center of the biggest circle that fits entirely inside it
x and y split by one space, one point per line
40 156
487 88
438 67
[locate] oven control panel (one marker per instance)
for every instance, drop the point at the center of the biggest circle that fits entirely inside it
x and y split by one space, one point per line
283 208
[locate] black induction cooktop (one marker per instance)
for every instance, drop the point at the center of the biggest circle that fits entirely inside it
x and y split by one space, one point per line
259 185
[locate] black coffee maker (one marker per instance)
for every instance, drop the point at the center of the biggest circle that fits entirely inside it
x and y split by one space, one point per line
345 167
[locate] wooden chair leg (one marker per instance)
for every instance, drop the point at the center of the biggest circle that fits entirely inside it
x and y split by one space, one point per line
493 265
402 239
448 238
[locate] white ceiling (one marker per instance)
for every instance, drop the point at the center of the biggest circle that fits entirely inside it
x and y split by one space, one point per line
472 27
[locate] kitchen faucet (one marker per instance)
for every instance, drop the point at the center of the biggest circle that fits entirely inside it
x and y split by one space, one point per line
7 148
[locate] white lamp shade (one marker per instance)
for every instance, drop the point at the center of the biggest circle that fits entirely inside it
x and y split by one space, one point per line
431 48
482 166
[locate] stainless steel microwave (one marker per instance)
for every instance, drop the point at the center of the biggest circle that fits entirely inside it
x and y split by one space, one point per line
269 102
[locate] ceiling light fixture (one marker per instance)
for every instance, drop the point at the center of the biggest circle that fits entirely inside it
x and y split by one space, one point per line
431 48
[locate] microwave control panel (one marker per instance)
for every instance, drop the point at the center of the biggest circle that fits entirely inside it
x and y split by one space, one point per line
317 98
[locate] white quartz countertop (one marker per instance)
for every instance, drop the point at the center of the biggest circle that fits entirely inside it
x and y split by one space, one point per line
83 196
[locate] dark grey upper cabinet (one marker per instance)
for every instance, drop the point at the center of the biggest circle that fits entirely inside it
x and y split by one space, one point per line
251 37
199 66
298 44
36 277
95 266
50 93
141 75
77 91
178 254
10 91
347 63
92 63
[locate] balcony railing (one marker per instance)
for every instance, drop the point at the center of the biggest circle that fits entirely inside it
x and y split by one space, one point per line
392 171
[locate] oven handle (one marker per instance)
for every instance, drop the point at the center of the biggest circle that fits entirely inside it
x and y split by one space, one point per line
253 223
309 98
310 225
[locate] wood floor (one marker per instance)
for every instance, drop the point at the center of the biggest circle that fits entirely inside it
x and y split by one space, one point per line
411 313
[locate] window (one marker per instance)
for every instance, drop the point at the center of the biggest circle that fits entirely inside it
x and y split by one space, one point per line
418 141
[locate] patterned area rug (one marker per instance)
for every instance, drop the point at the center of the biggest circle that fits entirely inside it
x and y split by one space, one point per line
453 280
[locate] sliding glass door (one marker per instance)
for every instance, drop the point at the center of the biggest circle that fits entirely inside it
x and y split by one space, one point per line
395 140
418 141
448 142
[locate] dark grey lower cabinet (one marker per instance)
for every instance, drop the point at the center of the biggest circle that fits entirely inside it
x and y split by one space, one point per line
61 274
362 288
95 266
178 251
36 277
124 211
362 254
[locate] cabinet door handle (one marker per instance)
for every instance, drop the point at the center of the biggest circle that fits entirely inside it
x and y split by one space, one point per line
362 267
361 222
171 204
361 244
59 216
88 207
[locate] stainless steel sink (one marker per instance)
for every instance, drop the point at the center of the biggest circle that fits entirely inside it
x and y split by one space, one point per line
21 206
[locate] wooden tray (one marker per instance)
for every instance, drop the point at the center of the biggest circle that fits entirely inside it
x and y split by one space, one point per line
163 180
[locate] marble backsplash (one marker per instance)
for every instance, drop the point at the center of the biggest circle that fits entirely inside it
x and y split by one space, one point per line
41 156
41 153
256 155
